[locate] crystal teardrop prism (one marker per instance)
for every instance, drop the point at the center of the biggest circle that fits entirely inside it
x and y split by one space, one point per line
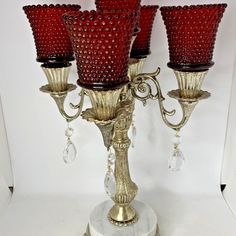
111 158
176 161
133 137
69 153
110 184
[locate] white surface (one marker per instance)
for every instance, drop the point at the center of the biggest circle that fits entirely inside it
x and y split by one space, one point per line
100 226
5 197
229 167
187 203
5 161
178 215
229 160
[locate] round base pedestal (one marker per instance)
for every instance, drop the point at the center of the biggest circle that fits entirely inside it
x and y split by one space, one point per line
99 224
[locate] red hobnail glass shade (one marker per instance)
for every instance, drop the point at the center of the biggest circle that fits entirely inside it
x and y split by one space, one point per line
141 46
101 42
51 37
132 5
119 5
191 32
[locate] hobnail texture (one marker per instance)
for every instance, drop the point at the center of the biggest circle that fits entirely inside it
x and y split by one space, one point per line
120 5
101 42
141 46
191 32
51 37
132 5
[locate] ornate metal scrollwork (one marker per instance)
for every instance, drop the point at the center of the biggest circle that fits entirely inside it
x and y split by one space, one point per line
140 86
59 98
142 89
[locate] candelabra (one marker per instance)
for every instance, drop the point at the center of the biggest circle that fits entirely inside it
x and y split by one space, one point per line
110 52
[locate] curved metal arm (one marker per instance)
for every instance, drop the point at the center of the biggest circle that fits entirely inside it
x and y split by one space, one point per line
141 85
60 100
187 109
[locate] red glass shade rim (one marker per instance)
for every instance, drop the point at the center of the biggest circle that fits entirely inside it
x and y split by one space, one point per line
135 13
54 60
133 4
95 15
51 6
56 64
103 86
111 5
193 7
150 7
190 67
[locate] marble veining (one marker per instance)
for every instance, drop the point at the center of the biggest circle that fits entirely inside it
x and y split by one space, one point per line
146 225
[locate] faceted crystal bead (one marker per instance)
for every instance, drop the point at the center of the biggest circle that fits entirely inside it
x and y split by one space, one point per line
176 140
69 153
177 160
69 132
110 184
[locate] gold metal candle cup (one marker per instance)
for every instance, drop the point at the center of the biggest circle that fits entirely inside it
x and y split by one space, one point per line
104 112
58 88
106 127
57 78
135 67
104 103
187 105
190 83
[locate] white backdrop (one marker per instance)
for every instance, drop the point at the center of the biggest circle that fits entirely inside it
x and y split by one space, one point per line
5 160
36 137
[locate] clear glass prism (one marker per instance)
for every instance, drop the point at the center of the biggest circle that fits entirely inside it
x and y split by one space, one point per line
69 153
133 137
110 184
176 161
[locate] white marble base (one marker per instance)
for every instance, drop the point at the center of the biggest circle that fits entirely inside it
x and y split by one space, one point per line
145 226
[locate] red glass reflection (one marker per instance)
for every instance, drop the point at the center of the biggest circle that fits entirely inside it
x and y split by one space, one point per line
51 37
101 42
141 46
191 32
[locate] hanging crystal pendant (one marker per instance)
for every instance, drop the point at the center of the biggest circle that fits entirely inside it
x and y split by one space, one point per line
176 161
69 152
133 134
110 184
111 157
110 181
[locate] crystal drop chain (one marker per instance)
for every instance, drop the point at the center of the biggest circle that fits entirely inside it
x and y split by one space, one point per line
176 161
109 181
69 152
